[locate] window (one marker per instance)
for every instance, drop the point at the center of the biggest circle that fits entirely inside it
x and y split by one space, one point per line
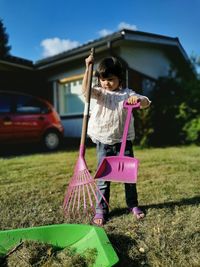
71 99
5 103
28 104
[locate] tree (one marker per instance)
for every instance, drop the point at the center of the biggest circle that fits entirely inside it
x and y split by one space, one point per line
4 47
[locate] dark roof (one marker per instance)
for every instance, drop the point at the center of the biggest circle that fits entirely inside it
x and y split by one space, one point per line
17 62
100 44
125 34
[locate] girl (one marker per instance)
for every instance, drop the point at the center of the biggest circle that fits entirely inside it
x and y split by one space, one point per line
106 125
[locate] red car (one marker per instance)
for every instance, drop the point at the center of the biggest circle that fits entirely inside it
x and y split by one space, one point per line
28 119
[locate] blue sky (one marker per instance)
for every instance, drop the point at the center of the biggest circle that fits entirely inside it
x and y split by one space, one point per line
41 28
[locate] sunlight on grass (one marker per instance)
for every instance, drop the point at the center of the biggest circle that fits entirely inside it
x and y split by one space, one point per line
32 190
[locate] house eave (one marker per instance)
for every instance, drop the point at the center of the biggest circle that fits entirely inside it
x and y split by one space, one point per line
103 43
100 45
11 62
150 38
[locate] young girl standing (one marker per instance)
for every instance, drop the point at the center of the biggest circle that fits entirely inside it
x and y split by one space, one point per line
106 125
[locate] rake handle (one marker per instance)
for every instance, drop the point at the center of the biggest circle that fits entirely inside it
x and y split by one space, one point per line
87 104
129 108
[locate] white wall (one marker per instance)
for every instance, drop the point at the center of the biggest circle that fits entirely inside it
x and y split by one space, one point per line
149 61
72 127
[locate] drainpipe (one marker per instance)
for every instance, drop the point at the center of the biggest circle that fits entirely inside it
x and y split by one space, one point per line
109 45
127 85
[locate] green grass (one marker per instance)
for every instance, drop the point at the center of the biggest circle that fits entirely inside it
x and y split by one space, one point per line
32 189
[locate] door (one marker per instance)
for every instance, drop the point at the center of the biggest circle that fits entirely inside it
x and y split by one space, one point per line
29 120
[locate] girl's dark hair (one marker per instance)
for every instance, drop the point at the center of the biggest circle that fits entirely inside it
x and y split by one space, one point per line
110 66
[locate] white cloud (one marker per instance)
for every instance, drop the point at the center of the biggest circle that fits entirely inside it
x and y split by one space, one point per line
53 46
121 25
104 32
124 25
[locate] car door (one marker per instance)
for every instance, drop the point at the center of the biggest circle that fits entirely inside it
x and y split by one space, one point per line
6 117
29 122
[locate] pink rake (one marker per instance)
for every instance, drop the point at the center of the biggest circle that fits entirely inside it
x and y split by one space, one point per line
82 190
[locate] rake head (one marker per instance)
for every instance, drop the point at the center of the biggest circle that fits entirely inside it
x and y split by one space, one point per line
82 195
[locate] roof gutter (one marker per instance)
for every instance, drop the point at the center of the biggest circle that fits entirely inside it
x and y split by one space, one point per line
105 43
79 52
12 64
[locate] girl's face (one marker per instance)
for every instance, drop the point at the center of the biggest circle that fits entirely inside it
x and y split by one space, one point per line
111 83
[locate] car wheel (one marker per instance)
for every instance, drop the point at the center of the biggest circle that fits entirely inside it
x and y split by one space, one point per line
51 140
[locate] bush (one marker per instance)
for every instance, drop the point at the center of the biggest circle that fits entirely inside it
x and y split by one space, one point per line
173 117
192 130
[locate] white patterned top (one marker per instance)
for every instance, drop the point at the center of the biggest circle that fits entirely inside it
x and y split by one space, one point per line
107 118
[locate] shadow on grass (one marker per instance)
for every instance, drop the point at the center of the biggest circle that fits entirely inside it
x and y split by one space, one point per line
117 212
121 245
169 205
172 204
69 144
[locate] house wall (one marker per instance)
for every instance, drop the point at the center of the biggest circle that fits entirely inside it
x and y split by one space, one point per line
72 122
72 127
149 61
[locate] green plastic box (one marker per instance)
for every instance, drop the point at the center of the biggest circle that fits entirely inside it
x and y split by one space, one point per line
78 236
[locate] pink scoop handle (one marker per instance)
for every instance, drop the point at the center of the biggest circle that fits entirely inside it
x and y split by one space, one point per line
129 108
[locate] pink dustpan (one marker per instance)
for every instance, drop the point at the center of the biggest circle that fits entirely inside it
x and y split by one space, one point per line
120 168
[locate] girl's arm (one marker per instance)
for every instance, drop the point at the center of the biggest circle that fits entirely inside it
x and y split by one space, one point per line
89 60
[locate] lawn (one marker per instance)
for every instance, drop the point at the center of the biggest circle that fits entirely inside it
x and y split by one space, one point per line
32 189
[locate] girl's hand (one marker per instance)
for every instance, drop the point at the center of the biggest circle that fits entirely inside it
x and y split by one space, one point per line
133 100
89 60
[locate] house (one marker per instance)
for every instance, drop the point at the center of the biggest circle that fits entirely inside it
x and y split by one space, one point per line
58 78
